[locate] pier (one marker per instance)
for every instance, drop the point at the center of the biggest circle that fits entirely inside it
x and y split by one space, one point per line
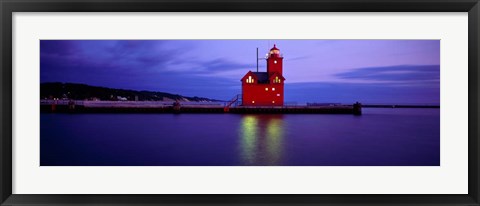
65 106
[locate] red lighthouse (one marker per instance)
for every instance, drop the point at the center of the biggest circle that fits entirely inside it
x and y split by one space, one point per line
265 88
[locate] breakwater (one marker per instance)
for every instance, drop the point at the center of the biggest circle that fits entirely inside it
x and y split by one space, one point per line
149 108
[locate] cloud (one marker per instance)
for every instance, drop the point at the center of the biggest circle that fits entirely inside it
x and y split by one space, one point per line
55 47
296 58
223 64
395 74
211 67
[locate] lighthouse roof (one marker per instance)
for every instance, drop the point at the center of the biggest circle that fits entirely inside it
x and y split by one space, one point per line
262 77
274 47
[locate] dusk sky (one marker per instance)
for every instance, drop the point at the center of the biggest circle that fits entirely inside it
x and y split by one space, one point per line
333 71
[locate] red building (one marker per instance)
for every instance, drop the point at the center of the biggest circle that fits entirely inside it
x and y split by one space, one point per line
265 88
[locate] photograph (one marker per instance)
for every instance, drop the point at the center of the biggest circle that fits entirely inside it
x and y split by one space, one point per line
240 102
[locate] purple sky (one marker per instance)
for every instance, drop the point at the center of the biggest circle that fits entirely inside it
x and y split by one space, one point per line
343 71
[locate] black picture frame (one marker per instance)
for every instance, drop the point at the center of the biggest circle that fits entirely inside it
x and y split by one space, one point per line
7 7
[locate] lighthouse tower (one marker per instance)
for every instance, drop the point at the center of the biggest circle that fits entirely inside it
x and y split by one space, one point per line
274 61
265 88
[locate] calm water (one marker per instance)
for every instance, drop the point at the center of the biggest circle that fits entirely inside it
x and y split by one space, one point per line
378 137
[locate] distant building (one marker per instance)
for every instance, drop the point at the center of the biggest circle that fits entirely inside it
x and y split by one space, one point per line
265 88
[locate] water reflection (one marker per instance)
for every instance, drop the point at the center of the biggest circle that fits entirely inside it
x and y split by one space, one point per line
261 139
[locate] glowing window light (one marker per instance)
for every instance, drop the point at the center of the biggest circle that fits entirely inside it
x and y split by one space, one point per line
273 89
277 80
273 102
250 80
266 88
275 61
278 95
253 102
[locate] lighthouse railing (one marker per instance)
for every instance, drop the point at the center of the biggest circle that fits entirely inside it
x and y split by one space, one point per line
234 101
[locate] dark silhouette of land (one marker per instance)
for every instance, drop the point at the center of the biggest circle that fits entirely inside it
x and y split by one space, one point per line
86 92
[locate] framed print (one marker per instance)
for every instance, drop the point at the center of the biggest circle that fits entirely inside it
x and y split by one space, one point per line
265 102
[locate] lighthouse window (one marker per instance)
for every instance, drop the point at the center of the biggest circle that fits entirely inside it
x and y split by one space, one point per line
273 102
278 95
275 61
253 102
273 89
266 88
250 80
277 80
